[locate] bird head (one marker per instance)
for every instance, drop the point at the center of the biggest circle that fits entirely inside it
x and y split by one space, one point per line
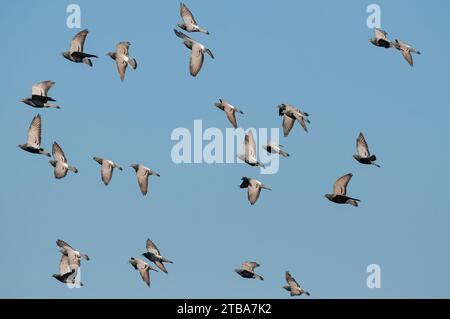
22 146
356 157
66 54
329 196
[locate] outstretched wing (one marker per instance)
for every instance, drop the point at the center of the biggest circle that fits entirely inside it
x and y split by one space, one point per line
196 60
253 193
187 15
380 34
340 186
361 146
122 47
288 123
42 88
77 43
34 132
249 145
58 153
151 247
291 281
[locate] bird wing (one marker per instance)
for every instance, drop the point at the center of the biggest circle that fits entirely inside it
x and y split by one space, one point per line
301 120
107 171
42 88
187 15
249 265
143 269
58 153
34 132
151 248
64 265
62 244
182 36
74 260
408 57
249 145
121 66
161 266
196 60
288 123
380 34
253 193
231 116
361 146
77 43
340 186
142 177
122 48
291 281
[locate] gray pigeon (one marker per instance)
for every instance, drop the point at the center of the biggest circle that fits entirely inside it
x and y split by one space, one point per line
189 24
76 53
380 39
247 270
275 149
406 51
142 174
254 188
249 155
122 58
39 95
290 114
198 51
107 168
339 194
60 162
143 269
229 110
154 255
293 287
33 144
362 149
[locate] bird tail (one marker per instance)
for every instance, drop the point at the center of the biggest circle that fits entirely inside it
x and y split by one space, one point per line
87 61
307 293
353 201
239 111
52 105
283 153
132 62
259 277
167 261
73 169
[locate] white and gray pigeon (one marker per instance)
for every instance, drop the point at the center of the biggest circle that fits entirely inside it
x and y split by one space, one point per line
293 286
122 58
406 51
381 39
39 96
59 162
254 188
107 168
362 152
250 156
143 269
76 52
198 51
229 110
339 194
142 174
274 148
247 270
33 144
189 24
69 264
153 254
290 114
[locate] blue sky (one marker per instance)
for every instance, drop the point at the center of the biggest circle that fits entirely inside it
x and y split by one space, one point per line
313 54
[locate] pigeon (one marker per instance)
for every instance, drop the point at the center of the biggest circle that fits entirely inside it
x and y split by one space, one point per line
339 194
293 287
380 39
39 95
406 51
363 155
249 155
290 114
142 174
122 58
275 149
143 269
76 53
189 24
229 110
107 169
154 255
247 270
253 188
73 254
33 144
198 51
60 162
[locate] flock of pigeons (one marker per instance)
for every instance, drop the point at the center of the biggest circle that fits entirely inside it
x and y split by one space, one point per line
71 259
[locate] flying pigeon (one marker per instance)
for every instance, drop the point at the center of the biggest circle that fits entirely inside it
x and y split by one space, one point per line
363 155
107 168
290 114
154 255
406 51
254 188
189 24
142 174
76 53
122 58
33 144
60 162
229 110
39 95
249 155
197 52
247 270
293 287
275 149
143 269
339 194
380 39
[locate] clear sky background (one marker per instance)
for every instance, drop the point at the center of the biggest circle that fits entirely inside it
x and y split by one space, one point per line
313 54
